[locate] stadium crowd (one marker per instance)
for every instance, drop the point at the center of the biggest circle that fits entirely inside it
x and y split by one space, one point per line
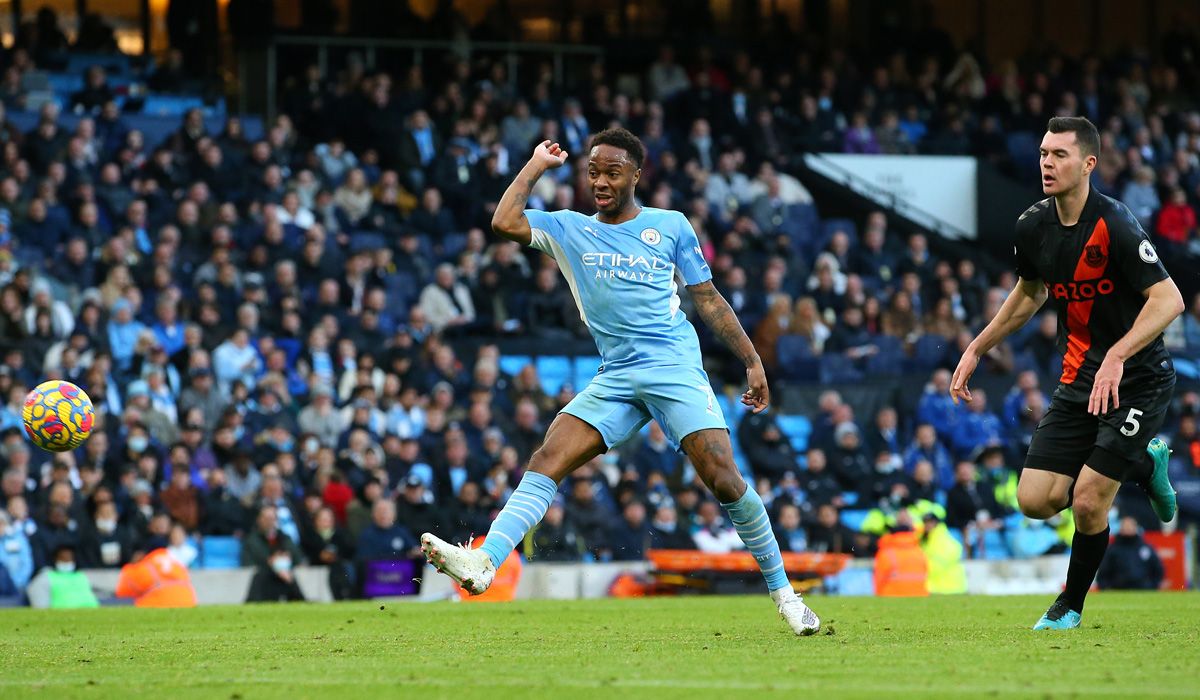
295 341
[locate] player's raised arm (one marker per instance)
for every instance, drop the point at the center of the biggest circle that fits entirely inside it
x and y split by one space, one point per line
509 219
719 316
1022 303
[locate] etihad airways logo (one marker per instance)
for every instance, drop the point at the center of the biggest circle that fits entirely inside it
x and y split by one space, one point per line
619 266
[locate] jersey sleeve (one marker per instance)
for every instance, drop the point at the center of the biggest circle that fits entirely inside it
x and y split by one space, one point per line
689 257
546 227
1133 254
1022 248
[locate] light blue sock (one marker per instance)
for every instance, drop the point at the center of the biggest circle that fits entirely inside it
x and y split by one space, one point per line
524 509
749 517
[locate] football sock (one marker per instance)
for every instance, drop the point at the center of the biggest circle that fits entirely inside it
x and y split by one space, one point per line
749 517
524 509
1087 551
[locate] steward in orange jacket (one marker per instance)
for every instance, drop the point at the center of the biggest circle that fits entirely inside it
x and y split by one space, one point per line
901 568
157 580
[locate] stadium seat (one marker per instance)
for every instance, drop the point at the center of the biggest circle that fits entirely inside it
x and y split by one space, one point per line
889 361
585 368
835 369
797 429
854 518
928 352
114 64
401 288
513 364
220 552
1022 147
795 358
554 371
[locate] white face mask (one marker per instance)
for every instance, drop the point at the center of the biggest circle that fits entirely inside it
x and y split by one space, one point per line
65 567
106 526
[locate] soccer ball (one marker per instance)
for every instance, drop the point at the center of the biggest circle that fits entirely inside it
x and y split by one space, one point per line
58 416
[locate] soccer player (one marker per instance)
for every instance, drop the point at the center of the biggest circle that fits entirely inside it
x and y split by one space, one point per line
621 266
1088 255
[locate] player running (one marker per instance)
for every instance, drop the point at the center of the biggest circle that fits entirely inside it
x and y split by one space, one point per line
621 266
1087 253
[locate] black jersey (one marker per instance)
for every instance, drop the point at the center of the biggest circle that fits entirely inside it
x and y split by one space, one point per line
1095 274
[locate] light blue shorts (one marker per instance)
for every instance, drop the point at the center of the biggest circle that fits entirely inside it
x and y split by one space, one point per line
619 403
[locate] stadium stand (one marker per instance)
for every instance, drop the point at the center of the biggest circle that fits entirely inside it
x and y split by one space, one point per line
315 301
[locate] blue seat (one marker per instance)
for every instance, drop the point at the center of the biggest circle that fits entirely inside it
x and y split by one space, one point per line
796 359
585 368
513 364
554 371
401 289
1022 147
65 83
889 361
854 518
113 64
850 498
837 369
994 546
929 351
731 407
798 429
220 553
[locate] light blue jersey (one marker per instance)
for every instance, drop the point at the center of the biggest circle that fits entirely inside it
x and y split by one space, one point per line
623 278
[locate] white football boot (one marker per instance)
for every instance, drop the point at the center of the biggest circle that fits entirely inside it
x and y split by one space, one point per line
802 619
471 568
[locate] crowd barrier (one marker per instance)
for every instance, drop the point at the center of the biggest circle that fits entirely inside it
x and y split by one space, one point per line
569 581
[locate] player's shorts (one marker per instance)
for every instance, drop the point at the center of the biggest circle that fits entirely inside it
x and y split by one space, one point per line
619 403
1113 443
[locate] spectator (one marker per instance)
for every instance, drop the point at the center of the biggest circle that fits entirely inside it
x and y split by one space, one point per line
1176 221
770 454
828 534
417 509
631 536
665 529
274 557
446 302
1131 563
587 517
385 538
328 545
978 427
712 533
554 538
16 559
789 533
69 587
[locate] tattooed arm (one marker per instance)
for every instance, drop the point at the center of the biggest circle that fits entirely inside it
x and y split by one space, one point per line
719 316
509 219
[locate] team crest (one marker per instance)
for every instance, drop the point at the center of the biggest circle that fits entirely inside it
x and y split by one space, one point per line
651 236
1094 255
1147 253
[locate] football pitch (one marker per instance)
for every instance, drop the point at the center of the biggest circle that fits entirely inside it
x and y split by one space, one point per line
1131 645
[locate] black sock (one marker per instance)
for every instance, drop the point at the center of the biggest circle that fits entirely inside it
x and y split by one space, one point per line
1087 551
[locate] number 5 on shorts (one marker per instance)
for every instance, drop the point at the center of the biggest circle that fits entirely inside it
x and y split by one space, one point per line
1131 426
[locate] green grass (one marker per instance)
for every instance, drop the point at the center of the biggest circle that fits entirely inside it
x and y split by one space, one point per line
1131 645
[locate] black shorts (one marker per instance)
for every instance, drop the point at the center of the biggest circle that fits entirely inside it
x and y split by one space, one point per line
1114 443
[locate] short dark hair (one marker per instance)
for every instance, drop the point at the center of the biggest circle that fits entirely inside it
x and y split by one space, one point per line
1085 132
624 139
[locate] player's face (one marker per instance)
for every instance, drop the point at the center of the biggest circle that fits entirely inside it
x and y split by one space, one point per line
612 176
1064 166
